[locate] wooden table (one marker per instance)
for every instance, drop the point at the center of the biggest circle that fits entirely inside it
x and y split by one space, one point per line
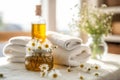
16 71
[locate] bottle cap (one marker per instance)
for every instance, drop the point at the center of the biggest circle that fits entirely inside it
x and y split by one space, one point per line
38 10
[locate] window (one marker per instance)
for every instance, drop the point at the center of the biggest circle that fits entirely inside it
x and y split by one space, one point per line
57 13
64 13
19 12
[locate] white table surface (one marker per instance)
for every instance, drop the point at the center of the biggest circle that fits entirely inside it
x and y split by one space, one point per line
16 71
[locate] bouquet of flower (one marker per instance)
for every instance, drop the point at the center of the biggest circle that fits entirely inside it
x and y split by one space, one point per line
94 20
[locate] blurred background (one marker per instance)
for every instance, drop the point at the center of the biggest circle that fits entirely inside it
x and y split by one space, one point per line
16 16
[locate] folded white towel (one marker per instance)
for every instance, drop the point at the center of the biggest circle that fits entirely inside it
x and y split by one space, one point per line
20 40
16 59
13 53
14 47
71 57
65 41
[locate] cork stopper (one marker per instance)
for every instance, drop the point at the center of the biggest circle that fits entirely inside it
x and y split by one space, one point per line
38 10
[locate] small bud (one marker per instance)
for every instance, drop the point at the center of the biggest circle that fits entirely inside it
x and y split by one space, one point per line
69 69
1 75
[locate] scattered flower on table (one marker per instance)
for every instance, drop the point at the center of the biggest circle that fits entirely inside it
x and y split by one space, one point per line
43 73
81 77
82 65
96 67
1 75
85 67
69 69
96 74
55 74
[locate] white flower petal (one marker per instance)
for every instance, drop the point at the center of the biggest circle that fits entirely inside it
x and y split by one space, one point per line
96 67
96 74
46 45
43 74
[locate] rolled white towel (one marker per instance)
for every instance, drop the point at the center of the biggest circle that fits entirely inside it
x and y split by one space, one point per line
13 47
71 57
65 41
20 40
16 59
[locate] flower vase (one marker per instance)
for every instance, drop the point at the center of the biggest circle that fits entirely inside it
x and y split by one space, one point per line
98 47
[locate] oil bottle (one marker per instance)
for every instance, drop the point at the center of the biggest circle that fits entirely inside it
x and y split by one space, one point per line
39 49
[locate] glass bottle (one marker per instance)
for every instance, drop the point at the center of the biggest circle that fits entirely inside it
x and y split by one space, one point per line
39 49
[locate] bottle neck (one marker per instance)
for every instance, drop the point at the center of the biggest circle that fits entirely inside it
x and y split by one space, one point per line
38 15
38 20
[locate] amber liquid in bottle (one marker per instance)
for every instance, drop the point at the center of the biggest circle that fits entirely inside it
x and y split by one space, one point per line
39 31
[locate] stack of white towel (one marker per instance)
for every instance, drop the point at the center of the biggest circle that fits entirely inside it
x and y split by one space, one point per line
15 49
70 50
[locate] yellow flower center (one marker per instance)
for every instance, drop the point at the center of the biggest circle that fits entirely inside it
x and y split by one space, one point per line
44 68
96 74
89 69
96 67
81 66
39 47
1 75
46 46
43 74
69 69
33 44
55 75
29 49
81 78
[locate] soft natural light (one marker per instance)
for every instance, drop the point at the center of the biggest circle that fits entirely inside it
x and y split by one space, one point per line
65 13
18 12
3 61
21 12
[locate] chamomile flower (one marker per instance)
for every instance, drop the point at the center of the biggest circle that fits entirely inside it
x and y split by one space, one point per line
69 69
54 74
44 67
1 75
32 43
96 74
96 67
43 73
85 67
81 77
46 45
82 65
88 68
